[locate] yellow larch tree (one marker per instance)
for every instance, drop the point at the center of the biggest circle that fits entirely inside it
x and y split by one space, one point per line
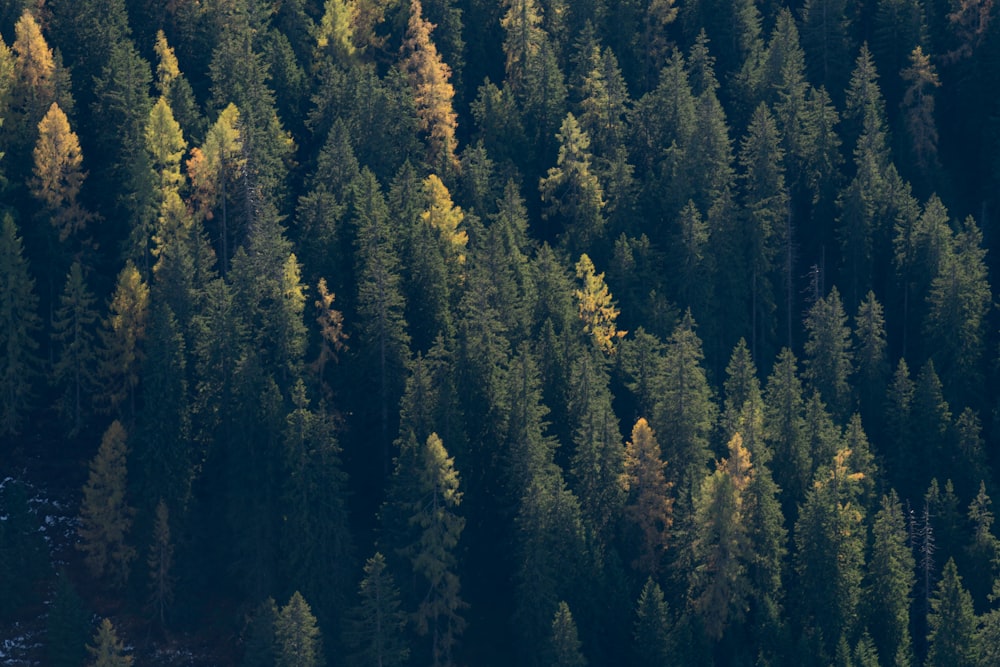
59 174
596 306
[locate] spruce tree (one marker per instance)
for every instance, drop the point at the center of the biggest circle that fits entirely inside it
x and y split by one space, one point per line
105 516
951 635
298 642
828 352
564 645
891 574
785 431
19 327
160 562
376 630
67 627
75 368
653 641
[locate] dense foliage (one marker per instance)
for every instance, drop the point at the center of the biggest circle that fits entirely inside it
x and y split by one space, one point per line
537 332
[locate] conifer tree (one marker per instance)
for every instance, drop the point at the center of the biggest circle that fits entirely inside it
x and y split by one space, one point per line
166 146
432 557
108 650
377 624
785 429
892 579
870 350
825 38
432 91
445 218
828 352
58 174
105 516
572 190
39 81
649 506
952 636
743 409
596 306
686 412
653 642
19 326
298 642
76 361
160 562
918 109
334 34
68 626
982 553
931 423
122 335
564 645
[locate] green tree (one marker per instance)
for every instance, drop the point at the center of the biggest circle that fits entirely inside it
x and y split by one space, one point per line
653 641
108 650
830 536
891 577
870 355
918 110
105 516
75 366
982 553
785 431
67 627
377 624
122 335
648 506
572 191
952 636
23 552
743 409
564 645
160 561
298 642
931 424
19 326
826 40
686 412
828 352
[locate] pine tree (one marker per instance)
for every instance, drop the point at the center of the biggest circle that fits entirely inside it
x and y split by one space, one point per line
564 645
685 413
649 506
892 579
105 516
58 174
830 536
160 562
828 352
377 624
108 650
653 642
572 191
75 366
432 91
952 623
122 335
68 626
298 642
432 557
19 326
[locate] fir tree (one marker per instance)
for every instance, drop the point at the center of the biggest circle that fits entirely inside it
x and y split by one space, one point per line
653 640
76 361
952 623
892 580
160 562
785 431
19 326
105 516
828 352
564 645
376 633
68 626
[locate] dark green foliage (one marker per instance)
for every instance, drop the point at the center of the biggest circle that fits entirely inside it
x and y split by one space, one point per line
19 324
892 580
653 640
952 623
23 559
564 646
376 630
68 627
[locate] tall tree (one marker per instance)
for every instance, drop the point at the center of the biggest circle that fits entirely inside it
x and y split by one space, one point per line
122 336
743 409
19 327
826 40
828 352
918 110
596 306
653 642
160 562
785 431
75 368
377 624
870 351
649 506
564 645
58 174
891 574
297 639
952 623
105 516
432 91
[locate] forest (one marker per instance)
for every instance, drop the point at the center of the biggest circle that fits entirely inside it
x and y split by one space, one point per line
499 332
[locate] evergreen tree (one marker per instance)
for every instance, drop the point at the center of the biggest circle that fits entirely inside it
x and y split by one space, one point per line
432 557
826 40
653 641
743 409
830 536
377 623
75 366
828 352
952 636
105 516
260 639
298 642
892 579
785 431
108 650
23 552
67 627
572 191
564 645
931 423
160 562
685 413
982 553
122 335
19 326
918 110
870 350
